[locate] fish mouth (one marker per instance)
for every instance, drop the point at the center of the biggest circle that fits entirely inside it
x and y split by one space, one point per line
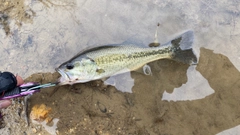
68 79
64 79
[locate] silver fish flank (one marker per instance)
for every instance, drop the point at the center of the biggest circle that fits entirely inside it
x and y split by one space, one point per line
105 61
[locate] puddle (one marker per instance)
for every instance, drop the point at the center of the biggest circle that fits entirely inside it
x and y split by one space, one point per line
191 90
232 131
37 36
51 129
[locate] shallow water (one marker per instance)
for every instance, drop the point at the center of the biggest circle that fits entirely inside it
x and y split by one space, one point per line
201 99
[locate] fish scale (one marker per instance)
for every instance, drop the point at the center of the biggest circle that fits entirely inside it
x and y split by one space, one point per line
133 60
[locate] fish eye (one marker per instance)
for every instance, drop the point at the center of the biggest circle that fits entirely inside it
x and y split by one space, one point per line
69 66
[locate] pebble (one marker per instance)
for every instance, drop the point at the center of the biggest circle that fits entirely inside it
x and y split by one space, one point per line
34 130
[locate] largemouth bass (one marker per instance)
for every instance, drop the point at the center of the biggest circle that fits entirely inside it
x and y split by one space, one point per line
105 61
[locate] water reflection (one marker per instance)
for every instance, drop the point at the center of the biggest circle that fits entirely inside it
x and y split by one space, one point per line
197 87
51 129
122 82
231 131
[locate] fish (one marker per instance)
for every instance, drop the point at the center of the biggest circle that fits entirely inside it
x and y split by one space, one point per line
109 60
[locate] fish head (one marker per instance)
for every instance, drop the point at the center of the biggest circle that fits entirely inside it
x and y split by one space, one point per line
76 72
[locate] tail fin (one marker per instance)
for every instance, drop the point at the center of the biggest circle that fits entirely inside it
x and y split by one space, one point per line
183 51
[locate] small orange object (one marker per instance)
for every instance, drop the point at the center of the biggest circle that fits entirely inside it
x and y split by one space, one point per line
40 112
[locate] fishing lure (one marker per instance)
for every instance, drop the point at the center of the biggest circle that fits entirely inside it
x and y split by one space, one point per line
25 89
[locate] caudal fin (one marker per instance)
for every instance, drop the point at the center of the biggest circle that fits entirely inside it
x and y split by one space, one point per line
183 51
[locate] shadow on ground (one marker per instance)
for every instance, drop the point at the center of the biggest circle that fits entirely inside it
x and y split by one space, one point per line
92 109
